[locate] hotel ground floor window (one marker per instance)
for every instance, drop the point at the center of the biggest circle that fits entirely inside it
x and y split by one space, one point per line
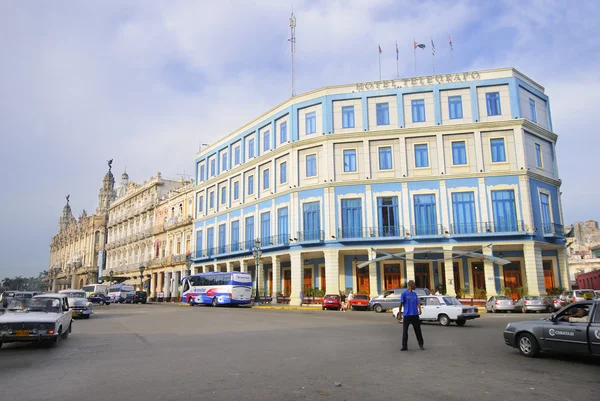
478 276
323 282
362 280
307 279
422 275
548 274
512 278
287 281
391 276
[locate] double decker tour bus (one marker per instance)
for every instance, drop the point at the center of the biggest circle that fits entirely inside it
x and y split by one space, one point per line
217 288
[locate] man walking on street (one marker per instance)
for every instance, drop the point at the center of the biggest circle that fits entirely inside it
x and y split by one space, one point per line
411 309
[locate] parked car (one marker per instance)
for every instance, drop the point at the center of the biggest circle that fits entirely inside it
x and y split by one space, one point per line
43 318
99 298
442 308
78 303
553 303
576 295
390 299
331 301
530 303
573 330
137 297
359 302
500 303
597 292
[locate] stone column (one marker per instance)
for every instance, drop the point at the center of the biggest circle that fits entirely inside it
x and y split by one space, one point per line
54 285
534 270
332 271
74 280
167 285
297 263
410 264
563 268
490 278
276 277
229 266
175 284
449 271
152 291
244 266
373 283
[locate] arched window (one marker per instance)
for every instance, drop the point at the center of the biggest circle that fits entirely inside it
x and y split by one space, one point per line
97 237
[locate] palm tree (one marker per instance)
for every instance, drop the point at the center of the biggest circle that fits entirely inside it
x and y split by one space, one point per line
7 283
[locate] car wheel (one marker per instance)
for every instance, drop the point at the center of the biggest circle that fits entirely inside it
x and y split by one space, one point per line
0 345
191 301
86 316
444 320
58 337
461 322
528 345
323 308
65 335
101 302
378 308
214 301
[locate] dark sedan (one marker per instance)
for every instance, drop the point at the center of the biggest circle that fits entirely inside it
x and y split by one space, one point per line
138 297
99 299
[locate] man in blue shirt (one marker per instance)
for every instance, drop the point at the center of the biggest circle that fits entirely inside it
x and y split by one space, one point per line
409 302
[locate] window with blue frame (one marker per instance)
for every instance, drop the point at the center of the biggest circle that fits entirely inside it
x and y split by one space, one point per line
418 111
282 226
546 215
210 241
249 232
348 117
382 111
538 154
311 122
385 158
223 195
212 167
463 211
224 165
455 107
459 153
425 215
211 200
251 148
421 156
266 140
202 175
199 244
387 217
311 165
236 190
352 218
235 235
532 112
311 222
222 238
250 185
266 179
498 150
492 102
505 211
237 154
201 204
265 229
283 134
283 173
350 161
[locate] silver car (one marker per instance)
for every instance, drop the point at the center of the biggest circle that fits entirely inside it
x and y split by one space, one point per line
531 303
500 303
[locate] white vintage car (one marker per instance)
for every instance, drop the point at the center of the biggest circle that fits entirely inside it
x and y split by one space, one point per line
43 318
444 309
78 303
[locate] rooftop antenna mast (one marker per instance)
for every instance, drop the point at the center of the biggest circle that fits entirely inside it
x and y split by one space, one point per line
292 40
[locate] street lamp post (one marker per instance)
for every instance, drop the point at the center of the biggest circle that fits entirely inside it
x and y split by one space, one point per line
110 277
257 253
142 268
188 264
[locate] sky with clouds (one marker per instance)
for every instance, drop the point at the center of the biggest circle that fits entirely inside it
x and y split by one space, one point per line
144 82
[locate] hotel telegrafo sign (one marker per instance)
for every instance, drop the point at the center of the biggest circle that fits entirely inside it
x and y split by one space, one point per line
418 81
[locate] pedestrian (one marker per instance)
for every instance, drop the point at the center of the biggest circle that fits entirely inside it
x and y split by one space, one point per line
161 295
301 297
349 301
409 301
343 301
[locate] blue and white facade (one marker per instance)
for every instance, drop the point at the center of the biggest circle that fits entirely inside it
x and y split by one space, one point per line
446 162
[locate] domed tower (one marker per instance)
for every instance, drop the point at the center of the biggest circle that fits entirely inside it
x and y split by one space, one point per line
121 189
67 217
107 192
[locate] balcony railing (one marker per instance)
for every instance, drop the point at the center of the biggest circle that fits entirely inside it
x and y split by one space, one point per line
177 221
311 236
427 230
487 227
552 228
370 232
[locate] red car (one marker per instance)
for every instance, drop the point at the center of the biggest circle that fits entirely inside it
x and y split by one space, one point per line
331 301
360 302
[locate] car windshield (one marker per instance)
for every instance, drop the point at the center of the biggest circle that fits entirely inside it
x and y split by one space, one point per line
451 301
40 304
75 294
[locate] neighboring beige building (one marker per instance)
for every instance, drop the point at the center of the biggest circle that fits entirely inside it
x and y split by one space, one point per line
582 246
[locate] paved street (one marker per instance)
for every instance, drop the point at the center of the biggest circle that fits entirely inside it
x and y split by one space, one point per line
152 352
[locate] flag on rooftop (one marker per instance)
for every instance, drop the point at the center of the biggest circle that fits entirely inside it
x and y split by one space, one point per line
432 47
419 45
450 41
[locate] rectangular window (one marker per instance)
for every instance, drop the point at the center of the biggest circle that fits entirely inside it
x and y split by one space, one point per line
492 101
455 107
212 167
348 117
538 154
421 156
250 185
352 218
546 216
505 211
235 235
265 229
202 176
387 217
418 111
199 243
498 150
463 210
201 204
532 110
425 215
222 238
224 165
266 181
459 153
251 148
283 134
350 161
385 158
266 141
311 212
236 190
311 165
237 153
311 123
223 195
210 241
249 232
383 113
211 200
283 173
282 226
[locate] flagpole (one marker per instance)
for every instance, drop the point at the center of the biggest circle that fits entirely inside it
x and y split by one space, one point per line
380 66
415 53
451 68
397 67
433 61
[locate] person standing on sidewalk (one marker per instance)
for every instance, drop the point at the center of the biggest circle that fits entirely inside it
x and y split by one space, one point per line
409 303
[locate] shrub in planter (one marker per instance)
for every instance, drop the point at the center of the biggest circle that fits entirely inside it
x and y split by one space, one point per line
480 293
460 293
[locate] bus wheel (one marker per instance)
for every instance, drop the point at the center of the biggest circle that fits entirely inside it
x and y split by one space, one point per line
191 301
214 301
